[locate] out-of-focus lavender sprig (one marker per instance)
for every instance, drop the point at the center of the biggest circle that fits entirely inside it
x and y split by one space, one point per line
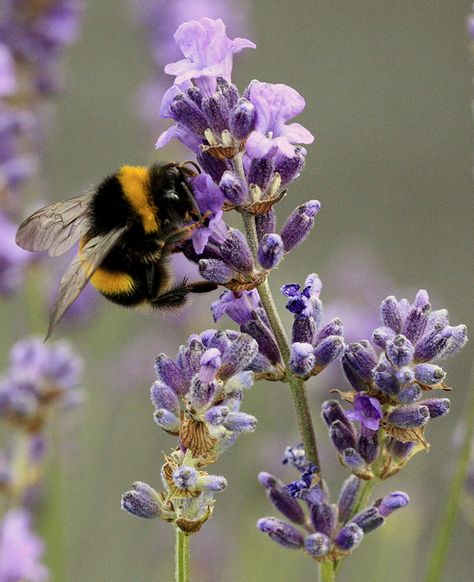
389 376
324 531
39 381
20 549
197 398
13 259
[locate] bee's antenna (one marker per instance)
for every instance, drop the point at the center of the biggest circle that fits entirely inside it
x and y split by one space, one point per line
193 164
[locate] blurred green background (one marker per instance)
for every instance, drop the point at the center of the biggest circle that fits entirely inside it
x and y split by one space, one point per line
388 95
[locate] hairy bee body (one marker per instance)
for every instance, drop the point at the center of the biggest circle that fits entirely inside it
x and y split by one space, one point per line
127 227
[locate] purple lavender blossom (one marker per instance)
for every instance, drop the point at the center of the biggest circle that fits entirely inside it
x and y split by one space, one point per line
367 411
306 503
13 260
39 36
20 549
38 376
8 84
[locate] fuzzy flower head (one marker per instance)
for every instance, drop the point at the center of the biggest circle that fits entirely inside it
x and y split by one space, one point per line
324 531
20 549
197 396
39 376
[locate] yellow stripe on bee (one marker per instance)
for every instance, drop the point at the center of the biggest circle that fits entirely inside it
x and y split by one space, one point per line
135 184
112 283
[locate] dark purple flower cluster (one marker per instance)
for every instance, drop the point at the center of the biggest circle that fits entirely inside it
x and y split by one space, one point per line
20 549
389 377
313 345
197 398
38 378
331 531
36 33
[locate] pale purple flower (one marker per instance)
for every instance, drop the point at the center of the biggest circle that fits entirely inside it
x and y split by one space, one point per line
275 105
20 550
8 84
13 260
240 307
208 53
367 411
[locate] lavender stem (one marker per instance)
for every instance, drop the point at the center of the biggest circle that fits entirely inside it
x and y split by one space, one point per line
298 391
182 556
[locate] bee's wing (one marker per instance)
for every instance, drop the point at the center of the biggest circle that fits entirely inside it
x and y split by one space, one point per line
81 270
55 228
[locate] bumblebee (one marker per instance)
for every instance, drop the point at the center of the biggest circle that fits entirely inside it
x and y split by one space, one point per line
127 227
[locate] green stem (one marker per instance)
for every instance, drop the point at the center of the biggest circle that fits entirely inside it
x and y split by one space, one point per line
327 572
298 390
181 556
440 545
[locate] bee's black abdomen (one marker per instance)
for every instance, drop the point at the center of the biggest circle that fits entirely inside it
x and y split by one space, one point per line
109 208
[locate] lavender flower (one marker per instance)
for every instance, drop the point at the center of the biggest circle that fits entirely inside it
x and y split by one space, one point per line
20 549
305 502
13 260
313 346
39 376
206 380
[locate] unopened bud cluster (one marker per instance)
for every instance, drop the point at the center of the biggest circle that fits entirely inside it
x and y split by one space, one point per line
389 376
325 531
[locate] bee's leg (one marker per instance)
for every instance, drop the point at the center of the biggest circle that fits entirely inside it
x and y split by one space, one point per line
185 232
177 295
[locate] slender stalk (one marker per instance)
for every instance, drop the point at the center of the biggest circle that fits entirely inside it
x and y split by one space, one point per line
181 556
327 572
440 545
298 390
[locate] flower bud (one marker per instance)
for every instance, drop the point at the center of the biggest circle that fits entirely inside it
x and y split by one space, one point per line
391 314
270 251
358 362
281 499
331 411
317 545
167 420
216 415
142 501
304 329
281 532
299 224
368 446
186 112
216 110
238 357
349 537
236 252
260 172
213 166
202 393
240 422
392 502
409 416
290 168
334 327
368 519
242 119
265 223
170 374
348 497
353 461
417 317
216 271
328 350
432 345
162 396
437 406
341 436
265 339
410 394
323 518
195 94
382 335
301 359
211 483
399 350
399 450
232 188
385 380
429 374
228 90
456 342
